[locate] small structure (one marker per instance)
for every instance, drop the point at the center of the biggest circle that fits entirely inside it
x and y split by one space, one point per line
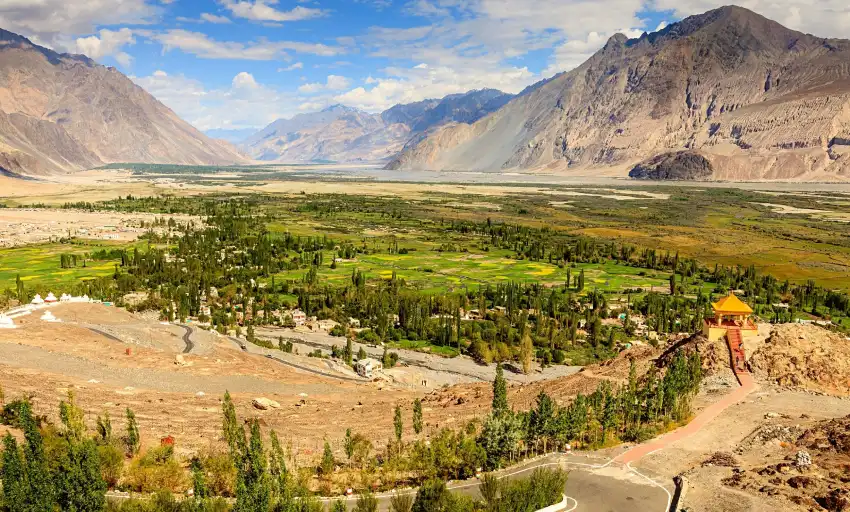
298 316
729 313
37 300
367 366
48 317
327 325
6 322
50 299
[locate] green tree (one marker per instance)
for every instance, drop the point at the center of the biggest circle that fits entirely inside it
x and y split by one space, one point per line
432 496
348 445
328 462
500 392
234 434
40 495
417 416
253 492
199 480
401 502
12 476
132 439
397 423
490 488
338 506
80 486
104 428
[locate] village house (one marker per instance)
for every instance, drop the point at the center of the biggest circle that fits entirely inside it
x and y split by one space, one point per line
367 366
326 325
298 316
353 322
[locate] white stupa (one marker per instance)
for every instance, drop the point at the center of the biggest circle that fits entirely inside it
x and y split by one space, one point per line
37 299
48 317
65 298
50 298
86 298
6 322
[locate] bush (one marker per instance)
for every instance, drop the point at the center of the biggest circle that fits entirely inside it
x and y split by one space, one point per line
156 470
338 330
111 463
545 487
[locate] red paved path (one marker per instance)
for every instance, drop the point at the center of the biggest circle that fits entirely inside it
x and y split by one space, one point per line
709 413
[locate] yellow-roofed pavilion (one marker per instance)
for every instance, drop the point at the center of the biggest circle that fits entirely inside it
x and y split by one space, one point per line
729 312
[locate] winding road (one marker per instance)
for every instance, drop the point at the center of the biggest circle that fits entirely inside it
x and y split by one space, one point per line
187 339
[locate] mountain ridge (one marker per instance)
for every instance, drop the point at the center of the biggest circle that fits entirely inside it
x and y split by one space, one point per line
346 134
755 99
62 112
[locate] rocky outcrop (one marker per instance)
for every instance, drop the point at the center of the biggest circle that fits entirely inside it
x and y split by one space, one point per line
679 166
755 99
344 134
61 112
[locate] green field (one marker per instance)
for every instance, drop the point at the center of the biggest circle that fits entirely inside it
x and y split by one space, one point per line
39 266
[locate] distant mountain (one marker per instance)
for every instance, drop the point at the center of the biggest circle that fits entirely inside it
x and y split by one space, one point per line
741 96
345 134
62 112
233 136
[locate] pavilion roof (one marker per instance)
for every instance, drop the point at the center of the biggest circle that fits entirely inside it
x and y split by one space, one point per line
731 304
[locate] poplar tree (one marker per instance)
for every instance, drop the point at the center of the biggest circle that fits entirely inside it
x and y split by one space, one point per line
417 416
398 424
39 494
13 477
132 438
500 392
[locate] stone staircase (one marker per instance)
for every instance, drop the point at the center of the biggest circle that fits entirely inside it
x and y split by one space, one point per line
736 350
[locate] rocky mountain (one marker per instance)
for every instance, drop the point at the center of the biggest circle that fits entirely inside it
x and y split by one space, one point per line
61 112
344 134
743 96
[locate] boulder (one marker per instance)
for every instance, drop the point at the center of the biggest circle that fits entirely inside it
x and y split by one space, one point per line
264 404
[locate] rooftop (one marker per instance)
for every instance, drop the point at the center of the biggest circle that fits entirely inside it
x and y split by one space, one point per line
731 305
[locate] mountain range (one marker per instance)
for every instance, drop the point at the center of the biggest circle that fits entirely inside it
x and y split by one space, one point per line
724 95
62 112
344 134
727 94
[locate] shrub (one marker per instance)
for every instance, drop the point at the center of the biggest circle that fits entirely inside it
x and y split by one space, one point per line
111 463
156 470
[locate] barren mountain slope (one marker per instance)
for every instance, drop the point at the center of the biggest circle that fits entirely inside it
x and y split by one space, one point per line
345 134
61 112
755 99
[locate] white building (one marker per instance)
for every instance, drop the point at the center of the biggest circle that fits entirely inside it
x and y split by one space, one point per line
50 298
367 366
6 322
298 316
37 300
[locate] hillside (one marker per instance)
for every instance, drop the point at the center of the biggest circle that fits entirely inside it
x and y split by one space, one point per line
343 134
751 98
61 112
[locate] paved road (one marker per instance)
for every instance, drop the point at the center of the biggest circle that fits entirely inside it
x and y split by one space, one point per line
593 485
187 339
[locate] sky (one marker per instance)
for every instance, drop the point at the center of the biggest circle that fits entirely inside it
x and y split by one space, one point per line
241 64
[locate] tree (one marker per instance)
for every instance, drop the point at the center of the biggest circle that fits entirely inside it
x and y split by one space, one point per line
338 506
348 445
79 482
366 502
199 480
328 463
417 416
398 424
432 496
349 350
500 392
234 434
401 502
580 285
12 476
104 428
39 494
490 488
253 492
526 353
131 438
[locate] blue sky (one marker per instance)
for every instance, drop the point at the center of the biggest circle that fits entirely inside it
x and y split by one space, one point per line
238 64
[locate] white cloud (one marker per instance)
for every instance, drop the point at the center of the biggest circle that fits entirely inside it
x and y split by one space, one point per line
48 21
107 43
244 104
292 67
262 10
333 83
214 18
203 46
418 83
